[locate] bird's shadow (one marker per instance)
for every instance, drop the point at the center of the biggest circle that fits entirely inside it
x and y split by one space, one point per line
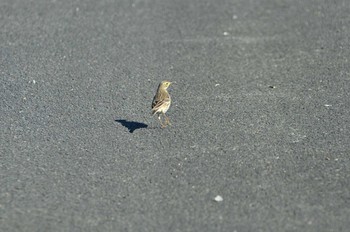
131 125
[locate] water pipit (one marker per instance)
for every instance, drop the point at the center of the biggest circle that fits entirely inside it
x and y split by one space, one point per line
161 102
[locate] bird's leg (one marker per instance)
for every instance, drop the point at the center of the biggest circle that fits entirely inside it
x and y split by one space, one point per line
167 120
161 123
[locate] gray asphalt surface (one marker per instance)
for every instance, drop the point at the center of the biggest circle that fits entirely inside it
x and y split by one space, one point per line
260 115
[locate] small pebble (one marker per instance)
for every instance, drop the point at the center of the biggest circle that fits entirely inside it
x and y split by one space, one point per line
218 198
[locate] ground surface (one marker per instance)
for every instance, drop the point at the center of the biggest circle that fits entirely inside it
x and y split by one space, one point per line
260 115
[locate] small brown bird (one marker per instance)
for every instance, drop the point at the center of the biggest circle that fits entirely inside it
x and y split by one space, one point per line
161 102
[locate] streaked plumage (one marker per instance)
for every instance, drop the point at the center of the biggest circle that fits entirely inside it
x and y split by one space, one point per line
161 102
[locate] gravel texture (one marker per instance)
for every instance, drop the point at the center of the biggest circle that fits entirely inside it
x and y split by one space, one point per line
260 115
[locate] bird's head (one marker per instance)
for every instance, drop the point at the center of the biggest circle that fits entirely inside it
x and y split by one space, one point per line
165 84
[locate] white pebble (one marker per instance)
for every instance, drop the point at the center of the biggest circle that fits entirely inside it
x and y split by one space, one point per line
218 198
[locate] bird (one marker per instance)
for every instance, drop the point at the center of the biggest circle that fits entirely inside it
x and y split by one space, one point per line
161 102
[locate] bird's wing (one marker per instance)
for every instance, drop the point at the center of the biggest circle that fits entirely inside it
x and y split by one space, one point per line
159 97
156 104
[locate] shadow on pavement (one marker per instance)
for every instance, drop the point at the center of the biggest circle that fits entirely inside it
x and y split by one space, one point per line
131 125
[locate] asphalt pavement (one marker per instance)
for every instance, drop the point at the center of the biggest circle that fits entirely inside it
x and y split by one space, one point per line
260 116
